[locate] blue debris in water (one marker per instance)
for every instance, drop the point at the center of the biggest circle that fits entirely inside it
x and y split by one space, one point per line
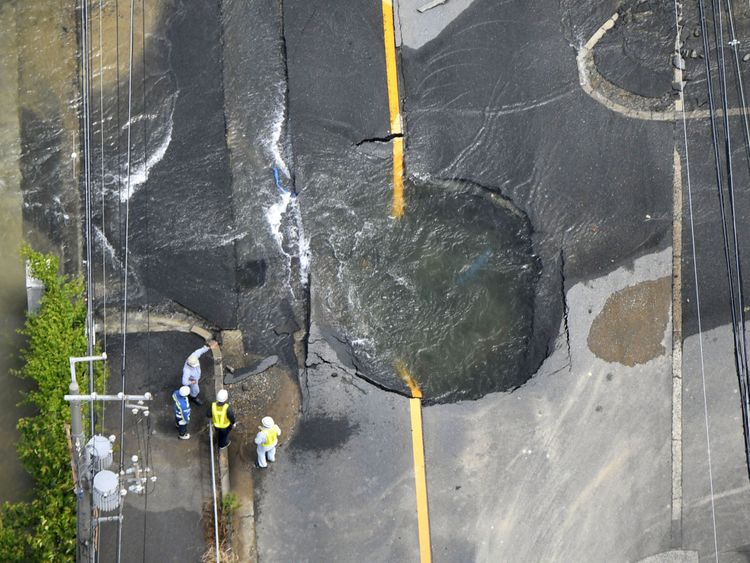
277 180
474 268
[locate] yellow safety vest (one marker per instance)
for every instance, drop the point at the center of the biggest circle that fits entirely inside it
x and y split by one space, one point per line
219 414
271 437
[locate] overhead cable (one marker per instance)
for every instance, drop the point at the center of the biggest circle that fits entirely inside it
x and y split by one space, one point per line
125 270
698 301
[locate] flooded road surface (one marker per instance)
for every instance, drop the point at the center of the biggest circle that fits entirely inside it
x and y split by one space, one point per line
443 296
14 481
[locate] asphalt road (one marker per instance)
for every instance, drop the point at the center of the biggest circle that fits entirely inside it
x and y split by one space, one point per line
579 458
578 464
167 523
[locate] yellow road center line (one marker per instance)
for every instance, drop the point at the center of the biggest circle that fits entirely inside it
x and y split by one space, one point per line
420 480
397 209
420 476
390 67
404 374
394 109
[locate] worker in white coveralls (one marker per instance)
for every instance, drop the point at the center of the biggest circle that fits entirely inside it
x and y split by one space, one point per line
267 439
191 371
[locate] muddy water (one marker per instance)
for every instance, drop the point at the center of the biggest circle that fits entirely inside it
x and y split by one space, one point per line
14 482
443 298
39 197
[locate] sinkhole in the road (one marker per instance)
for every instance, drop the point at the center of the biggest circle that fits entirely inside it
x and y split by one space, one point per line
446 292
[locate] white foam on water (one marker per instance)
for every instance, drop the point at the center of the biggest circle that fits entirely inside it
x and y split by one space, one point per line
138 118
106 245
274 146
139 176
223 240
274 215
294 232
275 128
109 250
276 212
303 244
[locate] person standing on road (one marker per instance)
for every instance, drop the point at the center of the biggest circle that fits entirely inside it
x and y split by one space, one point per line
267 439
182 411
222 417
191 371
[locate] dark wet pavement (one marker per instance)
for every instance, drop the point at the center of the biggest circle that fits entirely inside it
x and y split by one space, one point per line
166 523
528 204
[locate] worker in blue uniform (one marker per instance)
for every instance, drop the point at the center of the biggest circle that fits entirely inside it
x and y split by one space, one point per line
182 411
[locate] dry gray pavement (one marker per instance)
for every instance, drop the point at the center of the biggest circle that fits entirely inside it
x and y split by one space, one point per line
728 470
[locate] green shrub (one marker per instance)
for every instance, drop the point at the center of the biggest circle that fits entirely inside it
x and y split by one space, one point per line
44 528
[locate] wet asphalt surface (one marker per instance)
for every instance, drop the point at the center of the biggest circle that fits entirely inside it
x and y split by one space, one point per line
164 523
575 463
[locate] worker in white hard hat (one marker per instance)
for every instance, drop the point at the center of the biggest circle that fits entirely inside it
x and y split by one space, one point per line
191 371
182 411
266 439
222 417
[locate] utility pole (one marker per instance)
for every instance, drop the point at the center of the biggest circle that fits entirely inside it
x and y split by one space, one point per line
83 501
87 523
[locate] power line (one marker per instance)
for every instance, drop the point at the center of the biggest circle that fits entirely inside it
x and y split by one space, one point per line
719 39
147 459
86 110
740 354
698 301
744 381
85 63
101 157
125 272
95 539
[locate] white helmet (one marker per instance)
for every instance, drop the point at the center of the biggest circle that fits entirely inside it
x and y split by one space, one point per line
184 390
222 396
193 361
267 422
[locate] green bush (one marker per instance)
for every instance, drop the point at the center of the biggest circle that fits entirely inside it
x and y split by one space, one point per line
44 528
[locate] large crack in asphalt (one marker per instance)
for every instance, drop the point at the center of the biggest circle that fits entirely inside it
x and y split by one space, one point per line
566 310
386 139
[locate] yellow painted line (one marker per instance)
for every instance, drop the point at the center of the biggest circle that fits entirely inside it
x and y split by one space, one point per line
394 109
397 209
420 475
404 374
390 67
420 479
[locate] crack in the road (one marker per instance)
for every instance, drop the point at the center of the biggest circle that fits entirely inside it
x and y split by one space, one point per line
386 139
302 362
566 310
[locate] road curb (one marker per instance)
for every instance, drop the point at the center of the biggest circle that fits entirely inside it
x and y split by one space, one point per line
218 374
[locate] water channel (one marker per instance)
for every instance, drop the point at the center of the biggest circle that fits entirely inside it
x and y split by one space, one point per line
14 482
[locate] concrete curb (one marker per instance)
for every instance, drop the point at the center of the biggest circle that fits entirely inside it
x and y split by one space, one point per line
241 480
218 374
621 101
677 352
